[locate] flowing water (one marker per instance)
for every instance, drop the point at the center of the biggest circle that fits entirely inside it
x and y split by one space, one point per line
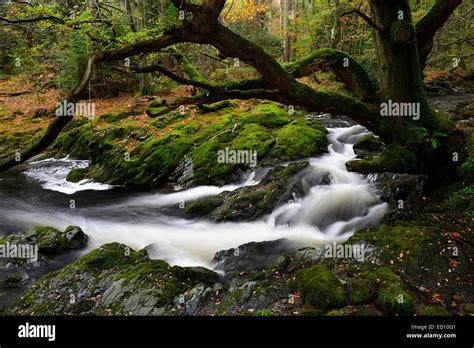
37 194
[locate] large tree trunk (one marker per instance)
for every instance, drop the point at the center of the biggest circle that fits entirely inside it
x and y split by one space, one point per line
399 68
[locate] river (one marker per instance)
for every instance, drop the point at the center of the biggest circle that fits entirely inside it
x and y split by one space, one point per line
38 194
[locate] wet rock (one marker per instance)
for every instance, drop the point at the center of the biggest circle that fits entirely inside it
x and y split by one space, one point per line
253 256
368 146
49 240
75 238
403 192
279 186
308 257
183 174
113 279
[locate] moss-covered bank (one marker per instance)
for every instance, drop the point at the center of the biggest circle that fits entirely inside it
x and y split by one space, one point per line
144 152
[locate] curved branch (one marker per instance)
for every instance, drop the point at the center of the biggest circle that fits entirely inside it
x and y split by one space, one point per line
427 26
186 64
342 65
181 80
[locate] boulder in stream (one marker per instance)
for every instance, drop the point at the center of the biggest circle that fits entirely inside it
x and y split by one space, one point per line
248 203
49 240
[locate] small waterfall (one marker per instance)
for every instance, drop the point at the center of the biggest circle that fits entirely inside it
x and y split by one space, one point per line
344 203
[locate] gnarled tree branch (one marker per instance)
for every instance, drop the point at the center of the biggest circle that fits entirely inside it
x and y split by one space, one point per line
345 67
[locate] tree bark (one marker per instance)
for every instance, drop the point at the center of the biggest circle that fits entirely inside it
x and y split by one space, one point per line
399 68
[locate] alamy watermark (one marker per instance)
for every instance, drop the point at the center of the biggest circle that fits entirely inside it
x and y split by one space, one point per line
231 156
66 108
37 331
392 108
346 251
19 251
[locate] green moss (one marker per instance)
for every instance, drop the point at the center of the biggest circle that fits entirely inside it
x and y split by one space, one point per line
217 106
462 200
369 143
110 118
253 137
392 295
321 287
47 238
395 158
298 140
109 256
434 311
366 310
203 206
205 165
269 115
76 175
417 136
362 289
155 151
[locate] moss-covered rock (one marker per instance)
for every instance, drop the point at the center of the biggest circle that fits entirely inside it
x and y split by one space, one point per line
76 175
300 140
113 279
433 311
251 202
394 158
362 289
365 310
50 240
127 151
321 287
203 206
368 146
464 111
392 295
13 279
